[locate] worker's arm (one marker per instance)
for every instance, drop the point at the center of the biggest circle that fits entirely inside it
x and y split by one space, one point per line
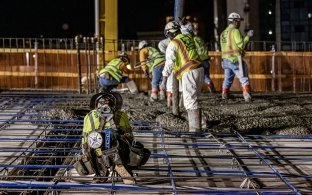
143 58
162 45
240 41
171 52
124 68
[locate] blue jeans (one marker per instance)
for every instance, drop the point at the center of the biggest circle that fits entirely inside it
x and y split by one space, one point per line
231 69
206 65
108 82
157 76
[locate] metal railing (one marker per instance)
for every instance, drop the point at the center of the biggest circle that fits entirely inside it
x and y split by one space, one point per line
70 63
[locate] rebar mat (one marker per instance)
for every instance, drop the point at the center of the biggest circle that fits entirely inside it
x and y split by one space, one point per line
37 155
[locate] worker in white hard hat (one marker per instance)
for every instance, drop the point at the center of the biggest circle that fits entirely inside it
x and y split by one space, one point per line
202 50
152 62
233 44
183 59
162 46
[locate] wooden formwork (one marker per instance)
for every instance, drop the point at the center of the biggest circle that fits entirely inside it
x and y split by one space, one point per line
59 70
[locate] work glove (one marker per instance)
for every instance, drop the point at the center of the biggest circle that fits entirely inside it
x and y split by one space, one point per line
250 33
163 83
146 73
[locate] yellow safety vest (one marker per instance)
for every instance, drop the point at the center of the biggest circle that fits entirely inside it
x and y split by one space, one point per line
187 58
158 58
201 48
232 43
113 68
121 121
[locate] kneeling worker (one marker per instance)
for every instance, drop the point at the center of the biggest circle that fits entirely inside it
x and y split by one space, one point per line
112 74
106 137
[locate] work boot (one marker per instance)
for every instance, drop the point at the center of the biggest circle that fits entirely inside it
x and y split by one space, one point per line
125 175
246 93
194 120
169 99
247 96
181 103
154 95
225 93
162 95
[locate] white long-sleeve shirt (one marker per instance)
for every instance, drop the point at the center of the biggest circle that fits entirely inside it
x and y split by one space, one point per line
163 44
171 53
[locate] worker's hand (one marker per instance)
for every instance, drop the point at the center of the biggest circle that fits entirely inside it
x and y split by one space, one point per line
146 73
250 33
163 83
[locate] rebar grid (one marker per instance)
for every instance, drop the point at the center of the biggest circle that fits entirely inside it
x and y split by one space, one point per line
37 155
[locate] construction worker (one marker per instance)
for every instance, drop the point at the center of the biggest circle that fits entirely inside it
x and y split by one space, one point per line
152 62
162 46
112 74
183 59
106 137
233 44
202 50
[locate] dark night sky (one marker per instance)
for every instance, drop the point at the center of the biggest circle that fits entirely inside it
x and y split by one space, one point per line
67 18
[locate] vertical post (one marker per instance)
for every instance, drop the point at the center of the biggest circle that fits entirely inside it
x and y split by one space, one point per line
273 69
178 12
279 72
96 37
36 63
216 24
96 18
278 24
77 41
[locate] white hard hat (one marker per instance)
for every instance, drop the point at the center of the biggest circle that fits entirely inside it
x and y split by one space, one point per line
234 16
187 28
171 29
142 44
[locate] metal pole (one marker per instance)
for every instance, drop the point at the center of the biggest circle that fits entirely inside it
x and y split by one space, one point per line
178 9
216 23
36 63
77 41
178 12
278 24
96 15
97 38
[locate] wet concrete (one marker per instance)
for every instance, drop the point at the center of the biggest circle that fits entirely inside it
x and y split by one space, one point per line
273 113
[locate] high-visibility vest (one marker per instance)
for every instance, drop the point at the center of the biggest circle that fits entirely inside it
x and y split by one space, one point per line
92 122
154 58
230 49
201 48
113 68
187 58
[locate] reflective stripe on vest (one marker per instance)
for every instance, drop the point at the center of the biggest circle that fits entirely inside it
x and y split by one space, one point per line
113 68
189 59
228 51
